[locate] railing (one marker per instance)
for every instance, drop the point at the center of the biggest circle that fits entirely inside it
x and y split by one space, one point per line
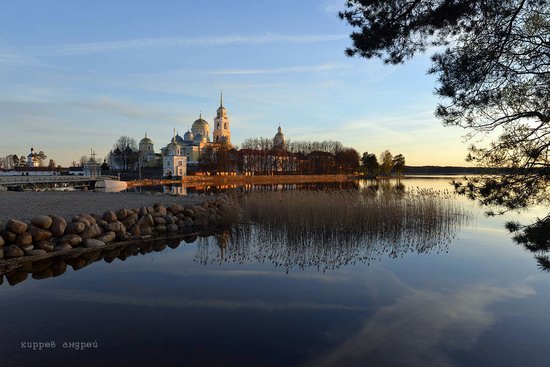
6 180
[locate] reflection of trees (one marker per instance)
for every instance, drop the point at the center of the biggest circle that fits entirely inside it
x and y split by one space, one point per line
535 238
328 229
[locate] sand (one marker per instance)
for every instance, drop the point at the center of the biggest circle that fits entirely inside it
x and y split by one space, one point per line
25 205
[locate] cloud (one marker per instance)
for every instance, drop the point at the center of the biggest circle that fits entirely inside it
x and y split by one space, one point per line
97 47
182 302
334 6
285 70
414 330
129 109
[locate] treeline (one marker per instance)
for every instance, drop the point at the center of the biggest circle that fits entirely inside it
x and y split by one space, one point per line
12 161
387 165
260 156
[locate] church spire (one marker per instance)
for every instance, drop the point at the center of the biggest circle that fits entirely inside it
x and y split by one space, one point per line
221 98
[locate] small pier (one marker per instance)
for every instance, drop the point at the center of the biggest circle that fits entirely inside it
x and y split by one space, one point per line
38 182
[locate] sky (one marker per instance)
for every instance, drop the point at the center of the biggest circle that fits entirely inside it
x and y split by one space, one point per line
77 75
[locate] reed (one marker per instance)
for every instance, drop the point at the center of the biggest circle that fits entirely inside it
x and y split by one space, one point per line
331 228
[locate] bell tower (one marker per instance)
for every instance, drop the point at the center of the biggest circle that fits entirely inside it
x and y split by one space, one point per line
222 132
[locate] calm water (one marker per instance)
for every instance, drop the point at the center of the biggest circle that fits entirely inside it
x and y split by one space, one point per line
473 299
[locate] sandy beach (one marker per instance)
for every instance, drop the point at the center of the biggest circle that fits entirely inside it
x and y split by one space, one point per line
25 205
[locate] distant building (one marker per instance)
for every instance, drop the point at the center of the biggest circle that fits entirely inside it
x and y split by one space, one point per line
174 162
35 159
147 155
195 141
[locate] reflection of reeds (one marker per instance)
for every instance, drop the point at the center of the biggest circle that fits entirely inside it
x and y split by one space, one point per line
328 228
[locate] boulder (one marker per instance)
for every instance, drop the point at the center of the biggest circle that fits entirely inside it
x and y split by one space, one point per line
58 226
44 245
107 237
91 231
26 248
188 213
170 219
2 242
135 231
146 221
75 227
78 218
128 222
71 239
161 209
122 213
62 247
109 217
159 221
172 227
16 226
9 236
35 252
175 208
23 239
114 227
160 228
13 251
92 243
88 217
42 221
146 231
39 234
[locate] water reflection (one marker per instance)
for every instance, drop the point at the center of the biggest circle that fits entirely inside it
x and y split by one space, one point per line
17 272
329 229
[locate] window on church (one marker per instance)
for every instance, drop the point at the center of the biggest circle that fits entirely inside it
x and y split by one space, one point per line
168 163
225 125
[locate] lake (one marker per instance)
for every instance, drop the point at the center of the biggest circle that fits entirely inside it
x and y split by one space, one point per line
467 296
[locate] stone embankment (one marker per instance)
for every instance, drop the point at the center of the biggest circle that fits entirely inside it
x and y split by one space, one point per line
52 233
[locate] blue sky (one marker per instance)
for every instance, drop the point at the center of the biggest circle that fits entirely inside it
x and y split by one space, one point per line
76 75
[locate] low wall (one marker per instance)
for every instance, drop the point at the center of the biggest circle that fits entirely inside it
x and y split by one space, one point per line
50 233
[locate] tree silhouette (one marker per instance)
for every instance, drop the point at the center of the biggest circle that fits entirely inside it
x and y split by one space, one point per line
492 63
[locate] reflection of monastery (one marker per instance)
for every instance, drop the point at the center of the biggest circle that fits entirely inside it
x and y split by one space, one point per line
183 154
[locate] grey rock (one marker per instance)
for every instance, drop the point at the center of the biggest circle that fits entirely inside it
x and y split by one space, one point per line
92 243
35 252
42 221
61 247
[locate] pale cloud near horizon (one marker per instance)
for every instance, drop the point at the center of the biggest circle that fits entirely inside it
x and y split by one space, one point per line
141 43
283 70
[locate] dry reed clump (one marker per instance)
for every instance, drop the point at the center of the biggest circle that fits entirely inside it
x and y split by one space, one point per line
331 228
